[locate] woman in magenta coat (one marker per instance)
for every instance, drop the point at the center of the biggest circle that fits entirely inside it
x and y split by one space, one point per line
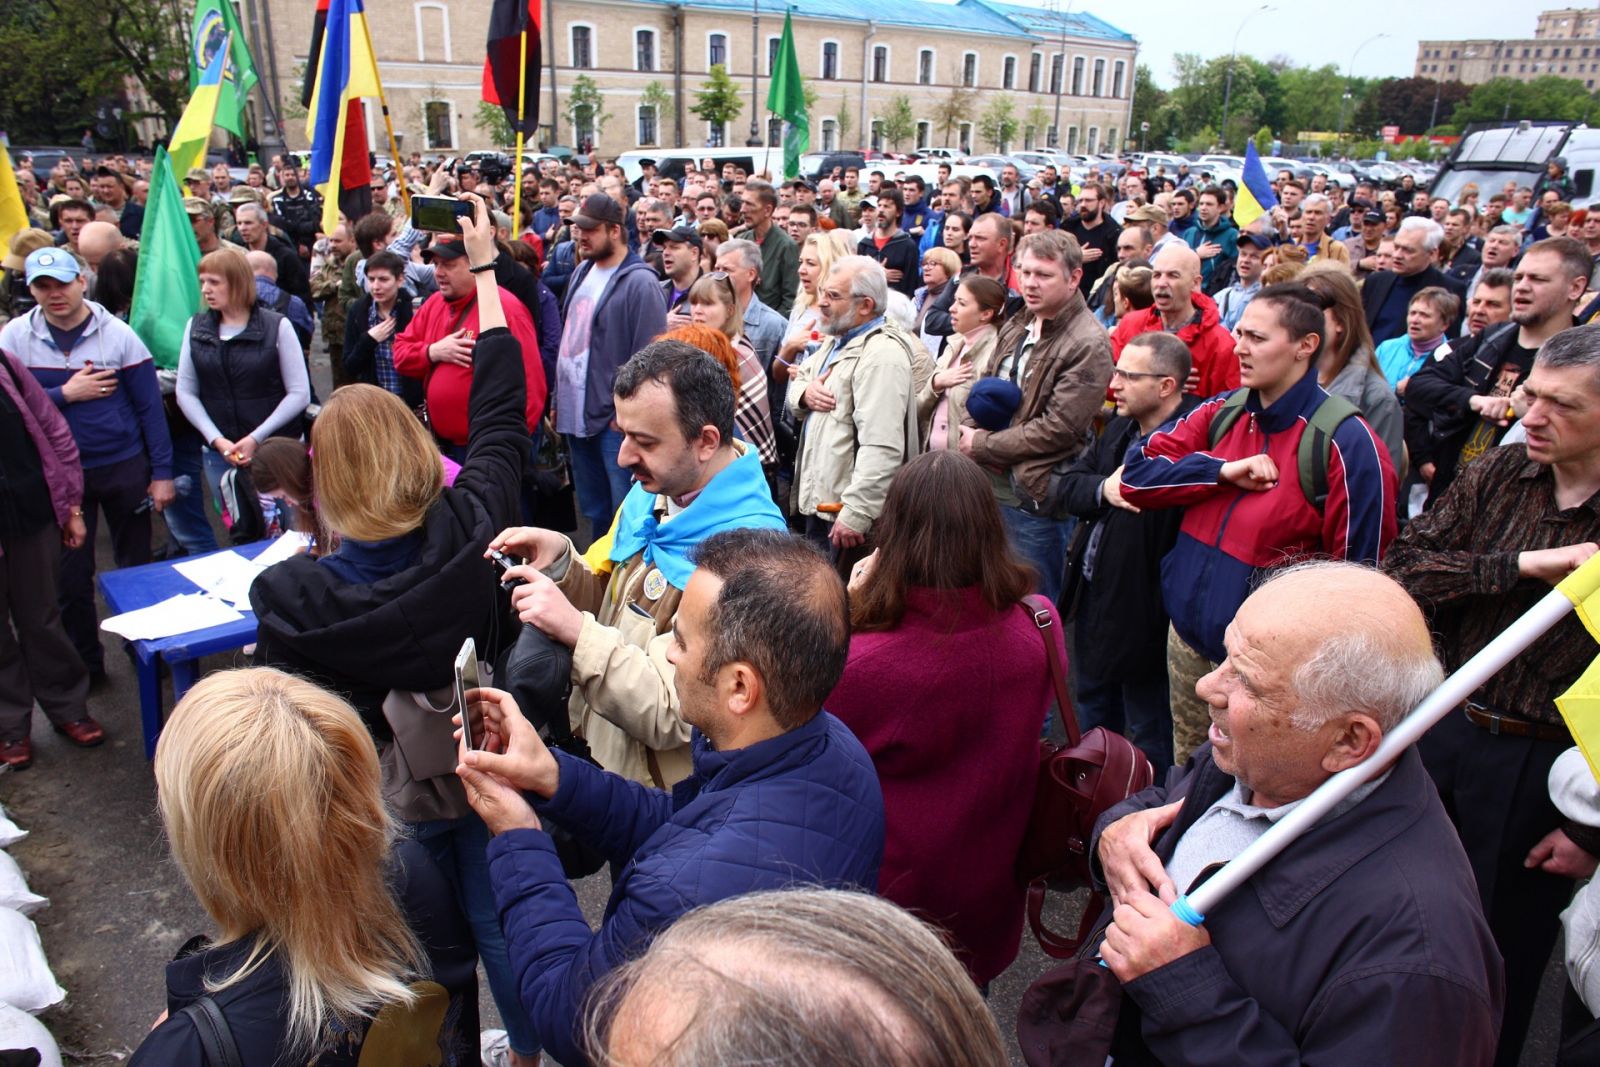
947 687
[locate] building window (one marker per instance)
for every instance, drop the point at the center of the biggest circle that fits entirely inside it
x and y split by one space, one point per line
1099 78
1111 139
716 134
880 63
830 135
438 121
647 124
1052 136
969 69
1118 73
439 31
644 50
1094 139
1027 139
830 60
582 47
924 134
877 135
1034 64
925 67
1455 53
1072 140
716 50
772 53
1077 75
964 132
1008 73
775 132
1055 72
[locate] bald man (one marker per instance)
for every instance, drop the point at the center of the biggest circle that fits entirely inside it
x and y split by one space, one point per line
97 240
1181 308
1363 942
265 268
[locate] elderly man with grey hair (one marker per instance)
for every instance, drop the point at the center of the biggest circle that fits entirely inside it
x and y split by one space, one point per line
763 326
1386 294
253 231
1363 941
855 398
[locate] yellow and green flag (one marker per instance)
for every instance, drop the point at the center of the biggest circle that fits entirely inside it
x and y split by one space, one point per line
1580 705
193 134
13 212
216 31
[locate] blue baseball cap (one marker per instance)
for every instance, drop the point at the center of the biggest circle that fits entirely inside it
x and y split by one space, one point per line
55 263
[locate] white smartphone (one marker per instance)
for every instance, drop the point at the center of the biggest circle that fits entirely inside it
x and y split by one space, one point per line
466 682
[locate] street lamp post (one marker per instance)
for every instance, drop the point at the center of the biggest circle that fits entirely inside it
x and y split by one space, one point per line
1062 82
755 69
1349 75
1227 91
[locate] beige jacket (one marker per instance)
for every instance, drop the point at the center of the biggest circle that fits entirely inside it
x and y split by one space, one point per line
848 455
956 353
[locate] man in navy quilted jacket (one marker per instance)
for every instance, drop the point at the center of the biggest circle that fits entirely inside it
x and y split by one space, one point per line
782 793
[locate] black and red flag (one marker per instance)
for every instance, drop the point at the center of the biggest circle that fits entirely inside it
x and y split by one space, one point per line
511 56
319 27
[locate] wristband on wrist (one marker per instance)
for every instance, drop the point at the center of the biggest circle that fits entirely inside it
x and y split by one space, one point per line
480 268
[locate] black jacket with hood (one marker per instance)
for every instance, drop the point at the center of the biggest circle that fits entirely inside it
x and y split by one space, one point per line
403 631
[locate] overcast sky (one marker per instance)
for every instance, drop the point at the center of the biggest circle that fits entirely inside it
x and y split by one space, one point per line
1166 27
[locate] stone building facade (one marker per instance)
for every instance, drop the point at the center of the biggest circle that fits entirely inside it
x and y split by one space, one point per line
1565 44
1067 78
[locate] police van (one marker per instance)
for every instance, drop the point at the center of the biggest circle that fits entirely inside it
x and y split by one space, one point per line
1490 154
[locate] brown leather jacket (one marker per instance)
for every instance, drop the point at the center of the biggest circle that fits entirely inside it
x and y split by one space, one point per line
1063 386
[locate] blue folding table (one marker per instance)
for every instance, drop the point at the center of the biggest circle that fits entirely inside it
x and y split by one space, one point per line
140 587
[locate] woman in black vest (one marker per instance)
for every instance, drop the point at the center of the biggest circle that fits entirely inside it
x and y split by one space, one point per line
241 372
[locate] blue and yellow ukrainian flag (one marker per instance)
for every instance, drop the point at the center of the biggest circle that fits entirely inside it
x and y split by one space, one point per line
346 73
1255 197
189 140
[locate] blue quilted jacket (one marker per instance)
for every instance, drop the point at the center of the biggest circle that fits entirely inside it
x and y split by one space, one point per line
801 808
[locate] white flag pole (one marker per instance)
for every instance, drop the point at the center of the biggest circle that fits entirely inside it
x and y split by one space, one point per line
1511 642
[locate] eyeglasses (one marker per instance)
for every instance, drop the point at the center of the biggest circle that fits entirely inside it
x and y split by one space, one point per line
1134 375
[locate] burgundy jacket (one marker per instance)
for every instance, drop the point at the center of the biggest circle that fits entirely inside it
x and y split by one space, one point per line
949 704
58 452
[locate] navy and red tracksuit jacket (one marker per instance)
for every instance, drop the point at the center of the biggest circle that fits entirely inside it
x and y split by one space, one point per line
1229 533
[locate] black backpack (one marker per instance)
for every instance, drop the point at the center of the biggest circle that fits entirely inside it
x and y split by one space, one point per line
1316 444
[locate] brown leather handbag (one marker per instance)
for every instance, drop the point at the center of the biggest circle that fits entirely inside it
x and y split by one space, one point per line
1077 783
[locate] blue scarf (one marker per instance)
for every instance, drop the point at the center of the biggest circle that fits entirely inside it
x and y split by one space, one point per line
737 498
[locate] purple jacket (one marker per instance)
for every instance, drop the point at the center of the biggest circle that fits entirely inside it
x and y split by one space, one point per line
51 436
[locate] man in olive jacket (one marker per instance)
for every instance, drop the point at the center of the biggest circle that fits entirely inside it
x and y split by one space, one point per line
1060 359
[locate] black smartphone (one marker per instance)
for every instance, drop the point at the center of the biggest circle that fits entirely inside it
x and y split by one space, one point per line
466 682
438 214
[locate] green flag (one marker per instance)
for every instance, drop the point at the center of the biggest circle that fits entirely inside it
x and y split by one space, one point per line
166 289
214 26
787 99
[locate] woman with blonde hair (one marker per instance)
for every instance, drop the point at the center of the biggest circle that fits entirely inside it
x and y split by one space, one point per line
241 371
334 934
1348 365
385 612
752 416
817 254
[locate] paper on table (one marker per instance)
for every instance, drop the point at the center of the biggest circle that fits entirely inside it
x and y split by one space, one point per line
226 575
181 614
286 546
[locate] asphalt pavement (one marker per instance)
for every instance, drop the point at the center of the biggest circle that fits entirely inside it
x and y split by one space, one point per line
119 907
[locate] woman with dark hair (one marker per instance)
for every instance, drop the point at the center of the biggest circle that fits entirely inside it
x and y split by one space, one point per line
113 283
1348 366
947 686
282 471
957 225
975 320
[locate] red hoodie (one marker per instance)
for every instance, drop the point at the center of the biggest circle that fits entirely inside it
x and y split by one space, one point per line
1210 344
448 385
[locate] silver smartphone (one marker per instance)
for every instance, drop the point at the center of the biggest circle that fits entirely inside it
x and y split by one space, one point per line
466 682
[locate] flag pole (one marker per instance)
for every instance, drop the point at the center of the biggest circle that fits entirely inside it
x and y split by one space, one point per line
388 122
522 104
1511 642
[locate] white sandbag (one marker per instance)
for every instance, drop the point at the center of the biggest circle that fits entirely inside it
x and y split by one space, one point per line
10 832
14 888
19 1030
25 978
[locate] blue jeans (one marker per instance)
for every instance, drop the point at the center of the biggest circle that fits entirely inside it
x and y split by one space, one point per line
600 483
1136 707
1043 543
461 849
186 516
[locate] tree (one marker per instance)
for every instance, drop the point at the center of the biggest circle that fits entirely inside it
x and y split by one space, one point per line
998 123
717 101
841 119
900 122
1311 97
1037 122
655 96
953 110
1263 139
1543 98
1409 104
491 120
586 108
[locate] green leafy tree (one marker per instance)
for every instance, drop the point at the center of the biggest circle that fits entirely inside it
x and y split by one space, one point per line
655 96
1409 103
954 109
841 119
717 101
1549 97
899 122
1311 97
586 106
1263 139
491 120
998 123
1148 100
1038 122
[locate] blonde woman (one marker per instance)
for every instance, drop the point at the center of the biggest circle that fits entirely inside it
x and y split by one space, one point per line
816 260
968 351
322 909
389 607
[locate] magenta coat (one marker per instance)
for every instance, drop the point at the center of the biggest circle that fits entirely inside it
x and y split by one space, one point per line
950 705
52 437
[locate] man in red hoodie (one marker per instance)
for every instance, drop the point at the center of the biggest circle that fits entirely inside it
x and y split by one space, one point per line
1180 308
437 346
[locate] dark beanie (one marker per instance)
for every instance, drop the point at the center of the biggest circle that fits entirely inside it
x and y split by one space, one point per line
992 403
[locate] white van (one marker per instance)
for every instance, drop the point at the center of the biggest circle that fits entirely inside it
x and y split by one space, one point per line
1490 154
672 162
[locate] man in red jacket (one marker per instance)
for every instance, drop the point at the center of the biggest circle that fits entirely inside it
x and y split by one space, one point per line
1181 308
437 346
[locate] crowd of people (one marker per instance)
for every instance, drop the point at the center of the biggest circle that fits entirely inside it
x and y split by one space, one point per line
824 441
